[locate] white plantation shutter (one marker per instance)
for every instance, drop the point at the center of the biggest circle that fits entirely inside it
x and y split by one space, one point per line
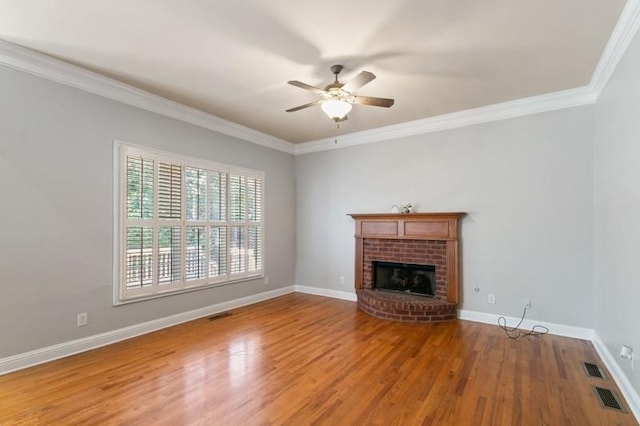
245 211
238 250
139 248
169 191
169 254
237 198
138 268
217 251
185 223
255 248
196 258
254 212
217 196
139 188
196 186
254 199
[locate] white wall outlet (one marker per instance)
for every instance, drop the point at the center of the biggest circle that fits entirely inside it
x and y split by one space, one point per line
266 280
528 304
491 299
83 319
626 352
342 280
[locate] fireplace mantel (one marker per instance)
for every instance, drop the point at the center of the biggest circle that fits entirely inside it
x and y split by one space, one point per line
412 226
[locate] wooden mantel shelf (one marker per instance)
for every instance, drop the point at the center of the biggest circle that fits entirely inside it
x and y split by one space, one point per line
412 226
408 215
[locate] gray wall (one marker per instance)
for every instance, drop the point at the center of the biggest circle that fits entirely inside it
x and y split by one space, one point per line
526 184
617 211
56 174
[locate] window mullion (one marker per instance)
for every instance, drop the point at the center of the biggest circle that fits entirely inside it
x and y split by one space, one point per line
123 217
245 216
246 247
228 224
183 226
155 258
207 229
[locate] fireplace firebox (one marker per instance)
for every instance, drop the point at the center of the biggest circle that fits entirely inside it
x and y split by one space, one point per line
404 278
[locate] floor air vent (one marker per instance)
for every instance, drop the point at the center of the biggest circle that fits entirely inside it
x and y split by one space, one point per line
593 370
608 399
220 315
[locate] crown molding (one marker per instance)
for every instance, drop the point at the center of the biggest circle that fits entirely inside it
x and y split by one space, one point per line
23 59
511 109
621 36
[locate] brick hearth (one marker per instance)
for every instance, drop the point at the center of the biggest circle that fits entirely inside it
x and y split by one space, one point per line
405 307
421 238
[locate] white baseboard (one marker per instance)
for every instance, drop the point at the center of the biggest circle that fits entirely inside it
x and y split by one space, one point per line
629 393
50 353
344 295
555 329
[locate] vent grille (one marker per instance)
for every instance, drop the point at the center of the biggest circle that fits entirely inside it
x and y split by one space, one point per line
608 399
593 370
220 315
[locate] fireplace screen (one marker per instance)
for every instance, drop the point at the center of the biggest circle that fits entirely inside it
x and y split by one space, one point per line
404 278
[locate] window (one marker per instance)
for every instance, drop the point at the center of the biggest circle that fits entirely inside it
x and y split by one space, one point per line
184 223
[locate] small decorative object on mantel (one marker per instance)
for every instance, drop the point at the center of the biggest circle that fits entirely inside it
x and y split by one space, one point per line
395 209
407 208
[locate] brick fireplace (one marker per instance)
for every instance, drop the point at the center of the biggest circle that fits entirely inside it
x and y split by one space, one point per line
417 238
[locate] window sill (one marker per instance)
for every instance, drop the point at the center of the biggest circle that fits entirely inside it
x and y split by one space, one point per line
118 302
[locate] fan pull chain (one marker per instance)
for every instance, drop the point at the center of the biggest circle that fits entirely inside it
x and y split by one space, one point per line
337 130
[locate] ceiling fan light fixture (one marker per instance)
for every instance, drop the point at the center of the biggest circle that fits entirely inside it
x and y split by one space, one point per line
336 109
337 98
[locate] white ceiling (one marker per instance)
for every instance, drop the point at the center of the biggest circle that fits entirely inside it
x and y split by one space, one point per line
233 58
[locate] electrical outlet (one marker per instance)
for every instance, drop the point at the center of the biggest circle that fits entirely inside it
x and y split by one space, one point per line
83 319
342 280
626 352
528 304
491 299
266 280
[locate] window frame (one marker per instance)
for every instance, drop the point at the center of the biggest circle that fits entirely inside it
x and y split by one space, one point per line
124 295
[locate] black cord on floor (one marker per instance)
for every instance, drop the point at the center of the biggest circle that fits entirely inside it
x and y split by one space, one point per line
515 332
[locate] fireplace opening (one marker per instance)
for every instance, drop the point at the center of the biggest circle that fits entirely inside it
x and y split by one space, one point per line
404 278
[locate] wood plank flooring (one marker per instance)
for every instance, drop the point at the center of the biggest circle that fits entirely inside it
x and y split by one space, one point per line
302 360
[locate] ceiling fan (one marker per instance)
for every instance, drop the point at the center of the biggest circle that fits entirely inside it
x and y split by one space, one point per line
337 98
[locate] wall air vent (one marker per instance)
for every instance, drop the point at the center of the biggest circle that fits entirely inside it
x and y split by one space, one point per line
220 315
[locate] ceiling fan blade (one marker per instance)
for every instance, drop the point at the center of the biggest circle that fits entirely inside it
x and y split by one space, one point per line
368 100
298 108
358 81
306 86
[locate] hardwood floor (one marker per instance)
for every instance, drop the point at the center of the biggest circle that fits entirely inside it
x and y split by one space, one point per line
302 359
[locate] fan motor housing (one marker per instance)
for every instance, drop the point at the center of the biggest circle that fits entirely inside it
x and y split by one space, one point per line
333 86
336 69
